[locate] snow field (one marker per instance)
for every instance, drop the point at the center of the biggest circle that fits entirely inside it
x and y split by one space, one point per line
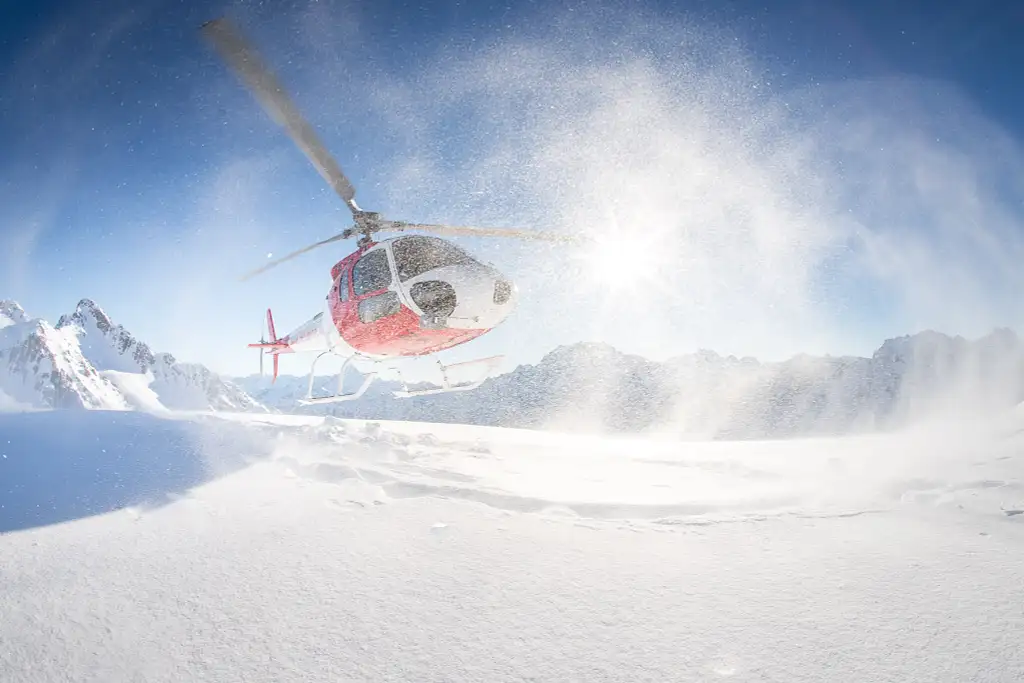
286 548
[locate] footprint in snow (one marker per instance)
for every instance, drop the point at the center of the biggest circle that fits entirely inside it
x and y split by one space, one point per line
427 439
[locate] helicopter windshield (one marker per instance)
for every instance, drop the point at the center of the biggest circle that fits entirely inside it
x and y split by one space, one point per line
418 254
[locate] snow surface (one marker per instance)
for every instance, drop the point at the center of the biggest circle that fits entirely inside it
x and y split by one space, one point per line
9 404
138 547
136 387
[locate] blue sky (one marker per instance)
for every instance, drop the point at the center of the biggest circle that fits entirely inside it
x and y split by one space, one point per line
800 178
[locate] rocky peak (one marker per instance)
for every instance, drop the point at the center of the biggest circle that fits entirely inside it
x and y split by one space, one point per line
87 311
11 313
43 366
88 316
82 361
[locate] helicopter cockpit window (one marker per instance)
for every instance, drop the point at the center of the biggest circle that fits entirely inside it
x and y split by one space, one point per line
417 254
371 273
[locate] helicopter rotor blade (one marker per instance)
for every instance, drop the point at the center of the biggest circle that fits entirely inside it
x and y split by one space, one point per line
470 231
340 236
250 68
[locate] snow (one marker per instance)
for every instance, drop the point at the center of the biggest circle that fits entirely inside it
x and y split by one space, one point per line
86 361
136 388
227 547
11 313
9 404
44 365
594 387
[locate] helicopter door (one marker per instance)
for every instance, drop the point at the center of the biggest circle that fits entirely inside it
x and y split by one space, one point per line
340 295
371 312
371 279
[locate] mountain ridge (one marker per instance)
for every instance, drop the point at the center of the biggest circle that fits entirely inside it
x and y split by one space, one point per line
88 361
41 366
101 354
592 386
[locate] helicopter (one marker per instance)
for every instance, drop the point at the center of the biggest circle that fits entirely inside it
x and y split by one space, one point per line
390 299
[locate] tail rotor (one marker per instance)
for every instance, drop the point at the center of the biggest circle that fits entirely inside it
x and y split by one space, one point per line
274 346
263 340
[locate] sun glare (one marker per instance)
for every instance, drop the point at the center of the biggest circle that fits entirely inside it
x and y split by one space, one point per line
622 265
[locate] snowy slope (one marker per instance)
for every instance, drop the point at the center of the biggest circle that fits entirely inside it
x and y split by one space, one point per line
10 313
281 548
136 389
193 386
44 367
594 387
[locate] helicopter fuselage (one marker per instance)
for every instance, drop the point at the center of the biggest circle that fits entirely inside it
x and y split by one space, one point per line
407 296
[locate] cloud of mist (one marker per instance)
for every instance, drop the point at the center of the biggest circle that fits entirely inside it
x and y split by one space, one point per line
767 212
933 192
776 220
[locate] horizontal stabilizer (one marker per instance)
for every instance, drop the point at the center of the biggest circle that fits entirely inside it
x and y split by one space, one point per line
269 345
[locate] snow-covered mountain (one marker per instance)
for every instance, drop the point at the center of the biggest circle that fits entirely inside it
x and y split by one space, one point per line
87 361
181 386
41 366
595 387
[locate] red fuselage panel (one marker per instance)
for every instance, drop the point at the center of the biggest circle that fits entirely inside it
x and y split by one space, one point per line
402 335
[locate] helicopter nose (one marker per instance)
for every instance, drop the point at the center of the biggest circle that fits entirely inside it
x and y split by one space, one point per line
469 296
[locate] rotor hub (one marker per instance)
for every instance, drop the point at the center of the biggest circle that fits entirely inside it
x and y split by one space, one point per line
366 223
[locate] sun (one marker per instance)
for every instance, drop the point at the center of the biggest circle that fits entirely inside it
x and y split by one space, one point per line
621 265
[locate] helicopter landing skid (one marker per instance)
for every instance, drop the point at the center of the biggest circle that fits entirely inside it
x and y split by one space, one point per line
340 396
488 364
447 386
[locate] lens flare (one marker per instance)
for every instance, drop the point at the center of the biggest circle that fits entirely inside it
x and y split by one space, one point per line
623 265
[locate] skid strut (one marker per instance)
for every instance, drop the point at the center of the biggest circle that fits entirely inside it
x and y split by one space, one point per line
487 364
340 396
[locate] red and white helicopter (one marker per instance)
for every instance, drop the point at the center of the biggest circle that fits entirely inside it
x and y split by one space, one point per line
401 297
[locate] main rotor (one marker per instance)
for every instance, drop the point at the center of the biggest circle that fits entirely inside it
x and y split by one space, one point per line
254 74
